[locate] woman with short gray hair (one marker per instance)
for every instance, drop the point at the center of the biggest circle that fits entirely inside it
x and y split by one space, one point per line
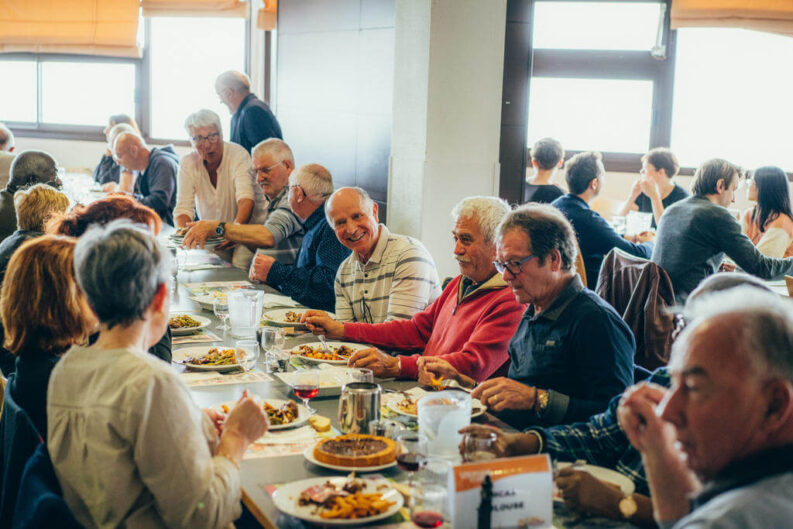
126 441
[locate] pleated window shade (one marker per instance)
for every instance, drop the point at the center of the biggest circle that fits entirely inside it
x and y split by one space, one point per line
268 15
773 16
215 8
95 27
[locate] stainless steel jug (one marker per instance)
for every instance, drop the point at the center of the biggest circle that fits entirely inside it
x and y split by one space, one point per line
359 404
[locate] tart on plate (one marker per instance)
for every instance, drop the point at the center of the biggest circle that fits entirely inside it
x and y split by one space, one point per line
356 450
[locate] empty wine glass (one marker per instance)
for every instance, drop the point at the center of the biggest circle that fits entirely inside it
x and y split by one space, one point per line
411 452
273 339
428 505
479 446
220 306
305 384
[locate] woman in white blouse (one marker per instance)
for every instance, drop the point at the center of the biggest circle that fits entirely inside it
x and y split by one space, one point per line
129 446
769 224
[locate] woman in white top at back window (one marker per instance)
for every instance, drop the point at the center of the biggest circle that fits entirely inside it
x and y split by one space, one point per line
769 224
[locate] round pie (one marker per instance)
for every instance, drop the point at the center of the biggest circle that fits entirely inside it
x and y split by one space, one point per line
356 450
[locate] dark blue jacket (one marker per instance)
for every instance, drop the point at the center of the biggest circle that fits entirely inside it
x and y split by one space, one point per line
595 236
156 186
252 122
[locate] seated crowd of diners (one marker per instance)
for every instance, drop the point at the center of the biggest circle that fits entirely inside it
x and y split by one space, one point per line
86 346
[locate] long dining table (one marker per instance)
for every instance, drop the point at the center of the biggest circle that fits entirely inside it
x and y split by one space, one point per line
260 475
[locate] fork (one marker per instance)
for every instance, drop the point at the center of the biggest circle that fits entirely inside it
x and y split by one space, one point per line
325 347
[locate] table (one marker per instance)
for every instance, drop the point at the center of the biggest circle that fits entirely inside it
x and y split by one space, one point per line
256 474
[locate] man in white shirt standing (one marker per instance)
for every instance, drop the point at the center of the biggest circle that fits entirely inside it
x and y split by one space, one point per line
214 180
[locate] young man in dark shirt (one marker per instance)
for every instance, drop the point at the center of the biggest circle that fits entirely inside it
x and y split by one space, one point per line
655 191
547 156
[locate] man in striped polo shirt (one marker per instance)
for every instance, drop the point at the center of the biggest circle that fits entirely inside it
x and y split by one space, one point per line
388 276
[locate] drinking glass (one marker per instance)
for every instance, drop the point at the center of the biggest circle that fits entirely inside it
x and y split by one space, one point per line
428 505
479 446
174 266
276 362
305 384
247 353
411 452
273 339
221 308
360 374
385 428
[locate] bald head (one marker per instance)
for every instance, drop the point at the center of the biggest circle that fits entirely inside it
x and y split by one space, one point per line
130 151
6 139
33 167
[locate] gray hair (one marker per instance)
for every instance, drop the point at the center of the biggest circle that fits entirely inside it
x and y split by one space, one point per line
764 336
6 138
314 179
547 228
488 212
277 149
123 259
32 167
202 118
236 81
368 203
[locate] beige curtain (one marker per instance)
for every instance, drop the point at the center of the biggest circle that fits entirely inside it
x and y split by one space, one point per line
267 15
774 16
96 27
215 8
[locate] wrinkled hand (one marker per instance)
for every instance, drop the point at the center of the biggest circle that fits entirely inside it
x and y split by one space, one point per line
247 419
260 267
507 444
638 418
381 364
198 233
432 367
727 266
645 236
319 322
216 417
225 245
582 491
505 394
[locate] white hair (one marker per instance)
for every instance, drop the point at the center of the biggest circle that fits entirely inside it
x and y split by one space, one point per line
202 118
277 149
117 130
487 211
236 81
314 179
765 333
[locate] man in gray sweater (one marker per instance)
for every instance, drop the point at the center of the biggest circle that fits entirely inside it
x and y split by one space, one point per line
695 234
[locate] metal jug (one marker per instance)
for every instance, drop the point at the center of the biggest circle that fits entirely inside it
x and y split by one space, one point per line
359 404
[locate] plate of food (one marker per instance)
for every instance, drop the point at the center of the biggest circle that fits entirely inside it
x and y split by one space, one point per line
339 500
340 352
286 318
406 404
187 323
282 414
353 452
206 358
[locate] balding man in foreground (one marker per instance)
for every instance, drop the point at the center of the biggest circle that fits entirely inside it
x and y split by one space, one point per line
155 186
310 280
6 153
252 121
468 326
730 413
29 168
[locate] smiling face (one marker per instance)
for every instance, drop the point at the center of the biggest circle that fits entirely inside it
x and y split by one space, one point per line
474 254
355 224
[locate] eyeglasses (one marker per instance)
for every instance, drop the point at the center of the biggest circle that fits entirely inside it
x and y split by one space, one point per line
263 170
211 138
514 267
366 312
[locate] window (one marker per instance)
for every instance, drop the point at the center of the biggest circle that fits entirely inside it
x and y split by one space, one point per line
187 54
18 90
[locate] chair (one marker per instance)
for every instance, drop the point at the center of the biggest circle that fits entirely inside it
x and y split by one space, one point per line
40 504
579 265
3 383
18 440
642 293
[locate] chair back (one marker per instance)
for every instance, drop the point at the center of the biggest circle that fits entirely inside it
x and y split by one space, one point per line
579 264
641 292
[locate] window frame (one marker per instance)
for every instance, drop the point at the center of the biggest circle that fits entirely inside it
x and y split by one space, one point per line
38 129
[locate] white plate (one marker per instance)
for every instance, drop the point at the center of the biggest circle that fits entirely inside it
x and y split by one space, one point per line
477 408
179 355
603 474
285 499
302 413
353 346
308 453
277 318
203 320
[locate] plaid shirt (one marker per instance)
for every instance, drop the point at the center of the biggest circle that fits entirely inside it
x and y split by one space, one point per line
600 441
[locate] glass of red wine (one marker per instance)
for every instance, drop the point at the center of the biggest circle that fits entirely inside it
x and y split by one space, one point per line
428 504
305 384
411 452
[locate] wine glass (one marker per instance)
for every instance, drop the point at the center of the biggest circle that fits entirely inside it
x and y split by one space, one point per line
428 505
220 306
479 446
411 452
360 374
247 353
305 384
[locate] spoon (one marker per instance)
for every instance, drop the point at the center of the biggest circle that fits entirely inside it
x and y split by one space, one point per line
453 384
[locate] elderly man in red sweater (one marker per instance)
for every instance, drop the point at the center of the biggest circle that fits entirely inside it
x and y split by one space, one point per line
469 325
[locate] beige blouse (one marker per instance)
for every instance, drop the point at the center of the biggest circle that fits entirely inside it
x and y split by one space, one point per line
777 239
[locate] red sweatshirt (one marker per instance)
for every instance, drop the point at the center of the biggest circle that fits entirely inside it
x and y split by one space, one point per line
471 333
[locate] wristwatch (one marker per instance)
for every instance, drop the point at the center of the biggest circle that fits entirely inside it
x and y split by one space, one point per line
221 229
541 402
627 506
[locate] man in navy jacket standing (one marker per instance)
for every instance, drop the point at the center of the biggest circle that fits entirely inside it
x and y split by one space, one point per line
252 121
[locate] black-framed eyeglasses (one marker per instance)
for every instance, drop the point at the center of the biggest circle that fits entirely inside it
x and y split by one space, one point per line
263 170
514 267
211 138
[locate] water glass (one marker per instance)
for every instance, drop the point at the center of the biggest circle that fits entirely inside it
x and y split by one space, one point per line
428 505
273 339
479 446
247 353
220 306
385 428
360 374
276 362
637 222
440 416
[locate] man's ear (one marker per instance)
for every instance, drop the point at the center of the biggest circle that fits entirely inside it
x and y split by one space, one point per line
779 408
288 165
556 260
374 211
160 296
720 185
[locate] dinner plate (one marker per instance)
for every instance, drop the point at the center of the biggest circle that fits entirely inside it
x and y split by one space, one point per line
277 318
202 320
308 453
178 356
286 500
477 408
302 412
353 346
607 475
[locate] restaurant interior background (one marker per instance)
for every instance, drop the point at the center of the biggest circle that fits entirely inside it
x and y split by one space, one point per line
424 102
